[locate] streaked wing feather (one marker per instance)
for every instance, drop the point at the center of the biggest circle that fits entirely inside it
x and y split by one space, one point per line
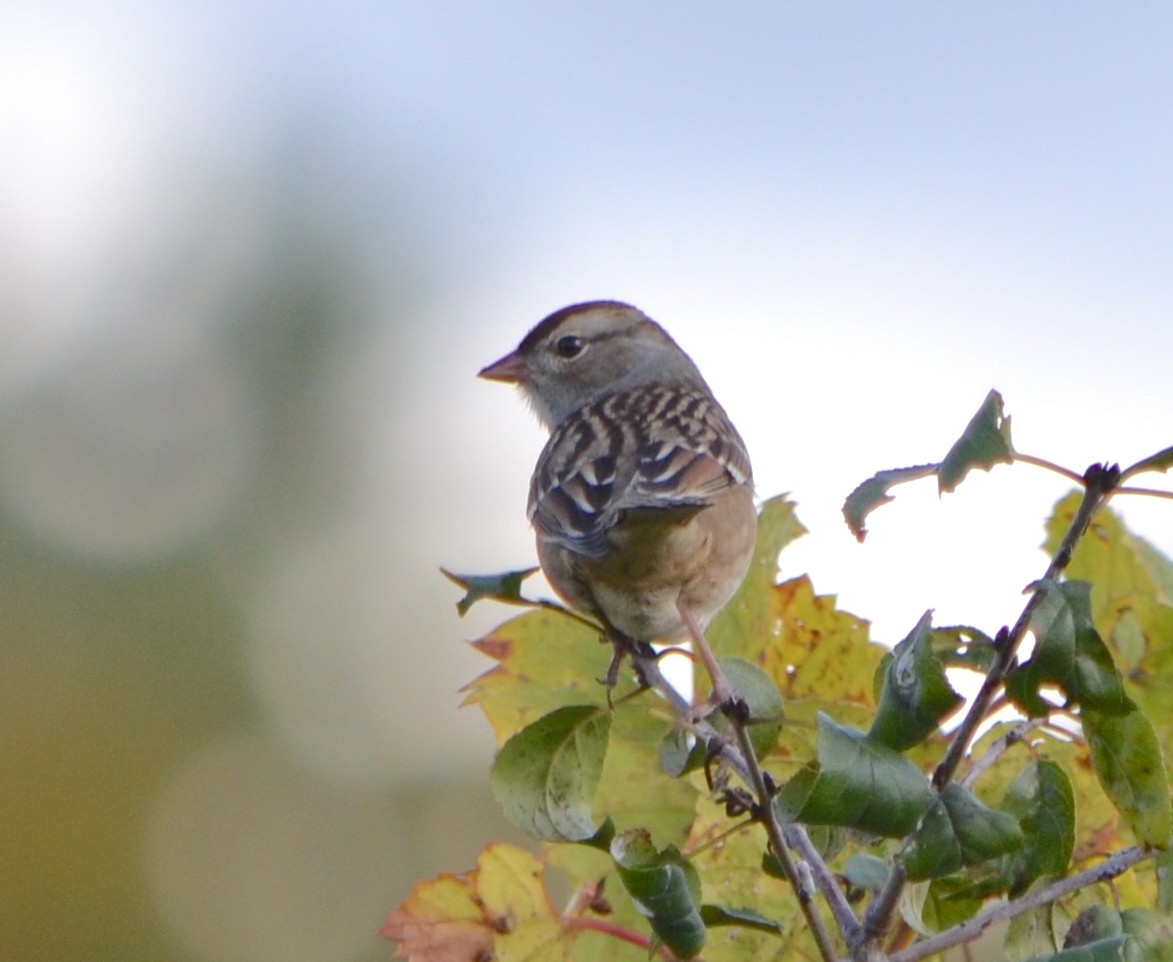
652 447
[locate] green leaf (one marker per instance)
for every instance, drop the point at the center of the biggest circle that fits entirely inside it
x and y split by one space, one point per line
1042 800
714 915
985 443
544 777
1104 950
874 492
504 587
961 646
1092 924
1151 933
681 753
665 889
1161 461
1132 604
957 831
856 783
1127 760
763 699
866 872
915 694
1069 653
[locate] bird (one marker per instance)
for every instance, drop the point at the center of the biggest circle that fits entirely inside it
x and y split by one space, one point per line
642 500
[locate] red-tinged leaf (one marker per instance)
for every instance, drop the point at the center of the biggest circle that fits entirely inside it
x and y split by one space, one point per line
985 443
440 921
499 907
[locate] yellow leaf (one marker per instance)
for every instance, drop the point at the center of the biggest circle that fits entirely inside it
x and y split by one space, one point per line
498 910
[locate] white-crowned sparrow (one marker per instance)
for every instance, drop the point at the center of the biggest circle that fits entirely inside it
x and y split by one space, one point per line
642 499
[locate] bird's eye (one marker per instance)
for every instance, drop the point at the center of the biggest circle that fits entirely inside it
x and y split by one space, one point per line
569 346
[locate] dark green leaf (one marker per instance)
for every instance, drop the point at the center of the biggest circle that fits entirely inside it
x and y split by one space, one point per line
1069 653
1127 761
544 777
763 699
665 889
874 492
958 831
504 587
1042 800
856 783
915 694
714 915
681 752
986 442
1161 461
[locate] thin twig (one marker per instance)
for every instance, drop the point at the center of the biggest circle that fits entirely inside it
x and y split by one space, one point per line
1147 492
968 930
1013 737
1049 466
741 759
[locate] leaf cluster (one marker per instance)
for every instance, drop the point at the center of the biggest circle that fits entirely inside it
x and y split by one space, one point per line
838 811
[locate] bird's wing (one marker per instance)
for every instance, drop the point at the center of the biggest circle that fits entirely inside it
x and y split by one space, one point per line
650 448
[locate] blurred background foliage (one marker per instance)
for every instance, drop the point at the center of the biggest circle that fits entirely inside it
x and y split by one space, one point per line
251 259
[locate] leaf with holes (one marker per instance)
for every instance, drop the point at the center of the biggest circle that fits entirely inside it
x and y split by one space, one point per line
985 443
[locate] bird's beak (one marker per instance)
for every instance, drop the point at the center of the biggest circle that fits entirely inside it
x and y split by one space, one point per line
510 369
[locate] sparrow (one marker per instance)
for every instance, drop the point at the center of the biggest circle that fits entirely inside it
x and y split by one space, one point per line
642 500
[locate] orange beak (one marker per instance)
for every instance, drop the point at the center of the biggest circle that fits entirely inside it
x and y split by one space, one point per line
510 369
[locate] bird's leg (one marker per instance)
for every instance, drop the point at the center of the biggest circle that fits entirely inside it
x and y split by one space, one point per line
625 646
724 696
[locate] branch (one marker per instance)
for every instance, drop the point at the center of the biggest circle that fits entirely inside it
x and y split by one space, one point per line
1099 482
970 929
741 759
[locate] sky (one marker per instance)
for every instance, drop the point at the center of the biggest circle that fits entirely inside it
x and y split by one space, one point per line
277 242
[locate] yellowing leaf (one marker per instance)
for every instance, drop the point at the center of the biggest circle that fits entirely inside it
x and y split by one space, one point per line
820 657
545 659
458 918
